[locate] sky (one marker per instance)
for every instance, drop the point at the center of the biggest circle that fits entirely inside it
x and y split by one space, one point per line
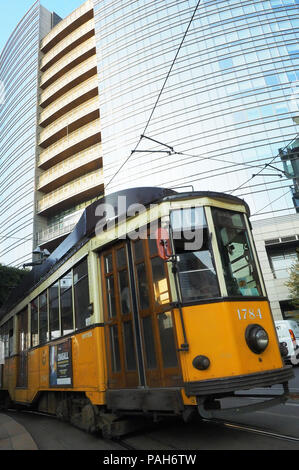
11 12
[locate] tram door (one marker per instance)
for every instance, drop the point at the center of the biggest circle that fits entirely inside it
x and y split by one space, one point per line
139 327
118 316
159 345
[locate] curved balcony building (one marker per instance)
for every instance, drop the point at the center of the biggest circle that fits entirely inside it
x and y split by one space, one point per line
19 77
228 103
69 160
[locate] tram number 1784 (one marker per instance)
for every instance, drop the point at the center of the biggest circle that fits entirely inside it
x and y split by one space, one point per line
249 314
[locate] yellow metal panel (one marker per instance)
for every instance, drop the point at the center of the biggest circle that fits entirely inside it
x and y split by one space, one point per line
217 330
33 373
89 369
44 367
21 395
85 363
95 290
9 375
88 361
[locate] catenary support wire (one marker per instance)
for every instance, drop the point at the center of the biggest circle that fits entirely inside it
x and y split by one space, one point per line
159 95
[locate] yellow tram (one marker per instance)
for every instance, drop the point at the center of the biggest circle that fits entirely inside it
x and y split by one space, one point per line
154 305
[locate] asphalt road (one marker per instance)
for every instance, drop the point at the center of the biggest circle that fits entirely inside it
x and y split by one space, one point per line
51 434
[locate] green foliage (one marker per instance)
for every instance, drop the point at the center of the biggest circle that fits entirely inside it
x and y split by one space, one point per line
9 278
293 284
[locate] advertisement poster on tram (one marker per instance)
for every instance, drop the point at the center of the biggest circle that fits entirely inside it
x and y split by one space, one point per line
61 364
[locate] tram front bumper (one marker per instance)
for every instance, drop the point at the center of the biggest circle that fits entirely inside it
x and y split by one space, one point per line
208 391
230 384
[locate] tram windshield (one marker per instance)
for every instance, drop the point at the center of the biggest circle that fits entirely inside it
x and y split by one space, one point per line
238 264
197 274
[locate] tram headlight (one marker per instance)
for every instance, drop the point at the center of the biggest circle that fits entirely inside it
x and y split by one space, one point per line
257 338
201 362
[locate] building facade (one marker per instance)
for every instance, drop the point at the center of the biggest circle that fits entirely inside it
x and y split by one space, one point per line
19 78
51 160
290 158
69 158
227 106
277 243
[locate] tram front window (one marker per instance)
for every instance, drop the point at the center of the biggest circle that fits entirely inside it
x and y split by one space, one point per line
239 268
197 275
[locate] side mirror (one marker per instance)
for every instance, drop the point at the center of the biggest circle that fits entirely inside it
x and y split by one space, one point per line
163 243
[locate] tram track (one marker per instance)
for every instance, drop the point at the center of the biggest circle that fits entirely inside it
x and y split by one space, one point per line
252 430
228 425
232 425
119 442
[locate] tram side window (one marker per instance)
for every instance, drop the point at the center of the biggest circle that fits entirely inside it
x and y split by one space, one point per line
144 304
149 343
34 322
81 294
161 293
23 330
239 268
43 318
54 311
168 346
142 281
4 339
23 344
6 335
66 303
10 337
1 348
197 274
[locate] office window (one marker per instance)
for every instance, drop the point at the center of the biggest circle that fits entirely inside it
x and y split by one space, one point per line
281 259
272 80
225 63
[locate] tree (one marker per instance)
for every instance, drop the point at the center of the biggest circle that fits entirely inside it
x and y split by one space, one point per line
9 278
293 284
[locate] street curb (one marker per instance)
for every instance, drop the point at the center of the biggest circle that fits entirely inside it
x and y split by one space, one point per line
13 436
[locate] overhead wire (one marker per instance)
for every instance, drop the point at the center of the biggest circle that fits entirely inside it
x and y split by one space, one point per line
276 210
204 174
259 172
15 238
262 166
270 203
250 193
159 95
219 169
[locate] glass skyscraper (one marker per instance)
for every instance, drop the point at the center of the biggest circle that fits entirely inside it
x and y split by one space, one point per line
227 107
18 75
226 115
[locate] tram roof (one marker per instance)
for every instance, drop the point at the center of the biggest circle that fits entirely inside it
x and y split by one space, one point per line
85 229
